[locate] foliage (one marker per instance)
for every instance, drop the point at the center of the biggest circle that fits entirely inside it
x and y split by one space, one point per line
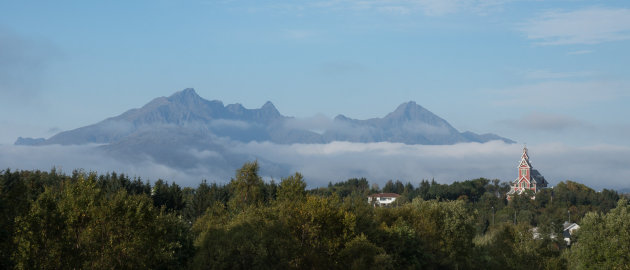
292 189
603 240
253 239
343 188
247 187
111 221
360 253
518 247
91 229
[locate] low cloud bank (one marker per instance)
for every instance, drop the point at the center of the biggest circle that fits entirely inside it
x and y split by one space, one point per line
379 162
598 166
88 158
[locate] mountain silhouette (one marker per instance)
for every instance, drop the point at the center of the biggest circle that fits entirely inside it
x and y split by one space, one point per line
185 130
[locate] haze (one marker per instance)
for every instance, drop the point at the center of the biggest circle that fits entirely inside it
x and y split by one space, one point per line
552 74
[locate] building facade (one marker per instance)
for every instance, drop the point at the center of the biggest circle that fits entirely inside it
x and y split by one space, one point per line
528 177
382 199
569 231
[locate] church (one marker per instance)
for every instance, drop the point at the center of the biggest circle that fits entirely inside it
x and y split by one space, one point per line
528 177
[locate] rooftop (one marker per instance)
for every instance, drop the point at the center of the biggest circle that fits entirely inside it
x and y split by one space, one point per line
384 195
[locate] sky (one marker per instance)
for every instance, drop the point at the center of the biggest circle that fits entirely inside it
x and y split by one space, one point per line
538 72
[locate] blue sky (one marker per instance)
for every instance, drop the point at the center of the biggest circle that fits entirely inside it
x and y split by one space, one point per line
557 69
538 72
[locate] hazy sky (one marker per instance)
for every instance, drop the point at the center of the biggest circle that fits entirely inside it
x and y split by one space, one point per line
533 71
537 72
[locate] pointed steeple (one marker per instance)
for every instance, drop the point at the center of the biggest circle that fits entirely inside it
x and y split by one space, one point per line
528 177
524 163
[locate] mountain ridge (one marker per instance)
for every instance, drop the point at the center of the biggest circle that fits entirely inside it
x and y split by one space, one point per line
187 132
409 123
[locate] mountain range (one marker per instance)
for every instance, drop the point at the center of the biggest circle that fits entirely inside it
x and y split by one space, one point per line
185 110
186 131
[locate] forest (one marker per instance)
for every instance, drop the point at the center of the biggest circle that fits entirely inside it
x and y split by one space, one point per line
86 220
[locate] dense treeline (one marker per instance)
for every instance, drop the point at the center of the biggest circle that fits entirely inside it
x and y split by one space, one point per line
50 220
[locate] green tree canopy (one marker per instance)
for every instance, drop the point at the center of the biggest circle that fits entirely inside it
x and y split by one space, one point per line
247 186
292 188
603 240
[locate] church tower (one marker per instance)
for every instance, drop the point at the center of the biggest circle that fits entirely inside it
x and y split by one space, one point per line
528 178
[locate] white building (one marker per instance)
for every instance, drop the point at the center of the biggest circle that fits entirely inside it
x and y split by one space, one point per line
569 230
382 199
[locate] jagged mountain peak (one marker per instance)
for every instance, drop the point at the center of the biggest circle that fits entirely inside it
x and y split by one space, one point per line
410 123
188 92
269 109
341 117
236 108
187 96
268 105
405 111
412 112
408 110
408 105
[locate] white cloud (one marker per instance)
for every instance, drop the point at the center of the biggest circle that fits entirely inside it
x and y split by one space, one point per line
91 158
598 166
585 26
337 161
318 123
204 154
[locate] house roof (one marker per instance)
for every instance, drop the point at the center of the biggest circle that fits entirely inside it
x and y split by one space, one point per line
568 226
536 176
394 195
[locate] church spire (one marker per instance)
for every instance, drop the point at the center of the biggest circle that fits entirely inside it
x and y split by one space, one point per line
528 177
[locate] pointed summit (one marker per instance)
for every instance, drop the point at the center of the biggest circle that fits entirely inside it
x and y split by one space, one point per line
190 92
190 114
410 111
186 97
408 105
268 105
269 109
342 117
236 108
408 108
268 112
